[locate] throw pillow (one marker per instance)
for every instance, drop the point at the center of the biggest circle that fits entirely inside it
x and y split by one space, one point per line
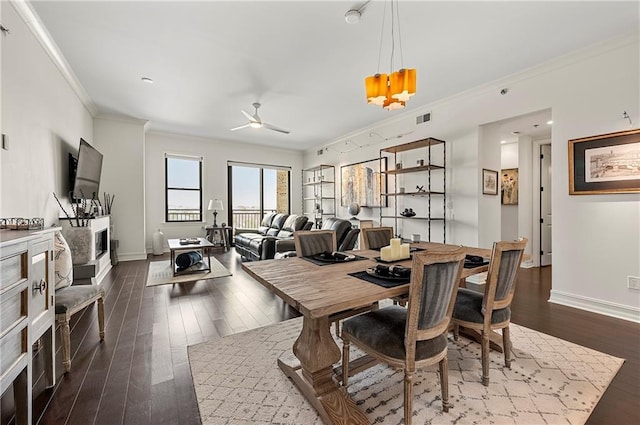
63 262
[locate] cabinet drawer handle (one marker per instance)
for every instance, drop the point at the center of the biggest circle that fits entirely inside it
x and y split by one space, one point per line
40 286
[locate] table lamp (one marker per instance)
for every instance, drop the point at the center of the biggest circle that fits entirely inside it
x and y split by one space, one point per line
215 205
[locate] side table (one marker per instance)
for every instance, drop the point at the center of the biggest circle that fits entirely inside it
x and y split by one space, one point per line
220 236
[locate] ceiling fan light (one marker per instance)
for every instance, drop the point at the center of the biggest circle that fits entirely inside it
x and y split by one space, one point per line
403 84
255 124
376 88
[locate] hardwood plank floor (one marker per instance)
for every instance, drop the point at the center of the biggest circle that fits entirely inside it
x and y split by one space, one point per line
140 374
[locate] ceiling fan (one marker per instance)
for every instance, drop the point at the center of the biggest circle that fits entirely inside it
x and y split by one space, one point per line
256 122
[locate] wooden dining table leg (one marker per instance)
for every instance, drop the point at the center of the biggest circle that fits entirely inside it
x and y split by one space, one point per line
317 352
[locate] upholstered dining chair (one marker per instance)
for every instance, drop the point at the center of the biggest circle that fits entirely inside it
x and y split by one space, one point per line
416 336
311 242
488 311
376 237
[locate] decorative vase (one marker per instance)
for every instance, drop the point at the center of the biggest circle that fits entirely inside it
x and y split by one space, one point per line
80 241
158 242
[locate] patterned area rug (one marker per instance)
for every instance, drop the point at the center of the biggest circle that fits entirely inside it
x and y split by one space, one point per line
551 381
160 273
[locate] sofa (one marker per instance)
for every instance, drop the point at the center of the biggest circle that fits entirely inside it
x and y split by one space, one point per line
346 237
260 244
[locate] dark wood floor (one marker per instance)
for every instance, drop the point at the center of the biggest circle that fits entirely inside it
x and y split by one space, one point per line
140 373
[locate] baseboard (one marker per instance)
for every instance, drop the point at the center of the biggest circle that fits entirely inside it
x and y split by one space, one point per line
619 311
132 256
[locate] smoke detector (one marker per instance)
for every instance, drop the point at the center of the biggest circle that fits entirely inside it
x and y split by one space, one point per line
352 16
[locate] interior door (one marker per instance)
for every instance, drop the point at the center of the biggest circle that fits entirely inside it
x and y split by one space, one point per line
545 205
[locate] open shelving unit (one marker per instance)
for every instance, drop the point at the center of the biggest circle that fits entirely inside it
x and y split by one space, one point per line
433 189
318 193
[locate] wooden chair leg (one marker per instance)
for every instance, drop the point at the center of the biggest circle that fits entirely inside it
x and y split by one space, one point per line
444 383
345 361
408 396
101 317
506 346
456 331
485 358
66 342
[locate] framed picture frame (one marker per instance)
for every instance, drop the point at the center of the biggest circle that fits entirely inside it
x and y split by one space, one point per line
363 183
489 182
509 186
606 163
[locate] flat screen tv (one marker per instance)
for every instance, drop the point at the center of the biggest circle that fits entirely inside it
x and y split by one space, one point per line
86 182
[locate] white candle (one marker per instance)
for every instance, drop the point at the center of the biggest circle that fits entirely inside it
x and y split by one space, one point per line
404 248
385 253
395 248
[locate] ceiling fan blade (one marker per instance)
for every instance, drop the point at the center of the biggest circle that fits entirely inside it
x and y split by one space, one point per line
251 118
274 128
241 127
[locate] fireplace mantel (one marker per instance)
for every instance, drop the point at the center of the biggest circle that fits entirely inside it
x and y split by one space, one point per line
100 246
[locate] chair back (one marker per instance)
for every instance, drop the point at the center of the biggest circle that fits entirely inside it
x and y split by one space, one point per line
376 237
349 241
435 277
501 277
311 242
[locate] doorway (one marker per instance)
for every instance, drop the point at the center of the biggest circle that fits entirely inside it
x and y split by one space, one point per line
545 205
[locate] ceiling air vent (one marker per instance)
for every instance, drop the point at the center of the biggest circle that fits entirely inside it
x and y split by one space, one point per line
423 118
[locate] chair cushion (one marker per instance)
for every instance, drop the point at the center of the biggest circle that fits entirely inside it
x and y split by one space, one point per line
383 330
63 262
468 308
72 296
266 223
188 259
294 222
276 224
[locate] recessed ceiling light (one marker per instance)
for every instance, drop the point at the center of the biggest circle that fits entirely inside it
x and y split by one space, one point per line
549 122
515 133
147 80
352 16
503 141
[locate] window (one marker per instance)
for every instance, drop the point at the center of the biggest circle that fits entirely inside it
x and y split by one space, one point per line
256 190
183 182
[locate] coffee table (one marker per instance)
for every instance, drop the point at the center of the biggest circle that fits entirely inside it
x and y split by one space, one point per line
202 246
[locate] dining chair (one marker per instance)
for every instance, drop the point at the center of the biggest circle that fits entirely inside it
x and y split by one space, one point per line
489 311
416 336
376 237
311 242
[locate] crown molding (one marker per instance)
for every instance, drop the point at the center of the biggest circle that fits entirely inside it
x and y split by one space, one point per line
32 20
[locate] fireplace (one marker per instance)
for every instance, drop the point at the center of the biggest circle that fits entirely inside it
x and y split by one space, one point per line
101 239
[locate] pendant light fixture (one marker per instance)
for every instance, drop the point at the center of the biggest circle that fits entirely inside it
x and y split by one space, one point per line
391 91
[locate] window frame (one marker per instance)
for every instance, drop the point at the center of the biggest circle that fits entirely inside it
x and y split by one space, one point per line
199 160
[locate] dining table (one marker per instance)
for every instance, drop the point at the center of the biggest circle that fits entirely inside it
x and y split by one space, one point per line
318 291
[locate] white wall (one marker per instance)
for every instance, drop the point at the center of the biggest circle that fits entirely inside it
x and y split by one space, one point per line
215 155
509 213
43 120
122 142
596 241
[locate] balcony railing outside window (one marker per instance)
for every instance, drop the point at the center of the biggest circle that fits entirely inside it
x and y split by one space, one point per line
242 219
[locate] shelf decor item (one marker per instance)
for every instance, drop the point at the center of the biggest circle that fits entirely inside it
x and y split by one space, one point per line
607 163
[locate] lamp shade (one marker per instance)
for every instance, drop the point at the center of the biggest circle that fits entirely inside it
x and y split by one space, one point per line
216 205
403 84
376 86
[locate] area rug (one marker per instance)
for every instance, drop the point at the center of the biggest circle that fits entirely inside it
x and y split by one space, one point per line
551 381
160 273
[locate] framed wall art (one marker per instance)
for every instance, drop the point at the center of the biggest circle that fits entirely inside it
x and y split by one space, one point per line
363 182
607 163
509 186
489 182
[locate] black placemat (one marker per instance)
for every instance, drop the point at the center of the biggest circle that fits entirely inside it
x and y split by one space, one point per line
379 280
473 261
326 263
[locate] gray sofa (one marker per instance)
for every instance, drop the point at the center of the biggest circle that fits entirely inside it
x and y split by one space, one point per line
260 244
